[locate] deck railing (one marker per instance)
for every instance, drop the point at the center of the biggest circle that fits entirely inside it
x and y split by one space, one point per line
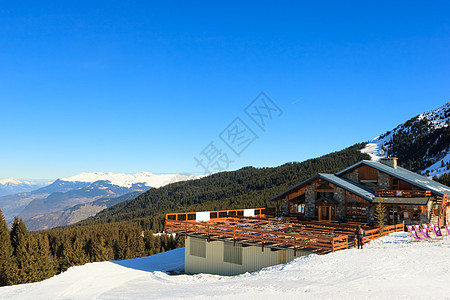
260 230
217 214
262 236
402 193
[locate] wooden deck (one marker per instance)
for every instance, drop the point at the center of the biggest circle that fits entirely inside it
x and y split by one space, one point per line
275 233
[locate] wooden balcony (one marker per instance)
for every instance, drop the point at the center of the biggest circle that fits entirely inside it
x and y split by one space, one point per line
402 193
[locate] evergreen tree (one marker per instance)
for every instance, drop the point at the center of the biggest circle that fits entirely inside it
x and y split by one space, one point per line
45 268
7 267
100 251
25 252
380 214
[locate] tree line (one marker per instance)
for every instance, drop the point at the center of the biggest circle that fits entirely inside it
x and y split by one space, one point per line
34 256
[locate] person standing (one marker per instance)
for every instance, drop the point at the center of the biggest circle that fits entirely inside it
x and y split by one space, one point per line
360 233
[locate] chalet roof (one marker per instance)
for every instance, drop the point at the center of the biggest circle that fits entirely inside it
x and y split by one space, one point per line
399 200
405 175
346 184
350 186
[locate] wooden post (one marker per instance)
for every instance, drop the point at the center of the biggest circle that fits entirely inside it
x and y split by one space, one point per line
320 213
295 248
262 241
329 213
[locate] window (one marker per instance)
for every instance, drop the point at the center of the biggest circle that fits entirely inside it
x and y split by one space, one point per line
395 184
297 208
232 254
197 247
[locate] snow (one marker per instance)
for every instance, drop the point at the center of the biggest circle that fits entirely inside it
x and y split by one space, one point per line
14 181
438 117
436 169
127 180
373 148
387 268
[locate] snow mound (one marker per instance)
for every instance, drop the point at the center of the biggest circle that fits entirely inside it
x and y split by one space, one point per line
127 180
390 267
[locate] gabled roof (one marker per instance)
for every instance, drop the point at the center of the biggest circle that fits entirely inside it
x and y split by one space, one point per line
346 184
405 175
350 186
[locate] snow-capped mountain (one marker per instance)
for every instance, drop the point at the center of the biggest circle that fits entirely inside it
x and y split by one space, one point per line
44 204
421 144
9 186
127 180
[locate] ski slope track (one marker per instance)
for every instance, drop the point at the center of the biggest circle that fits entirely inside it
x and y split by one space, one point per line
391 267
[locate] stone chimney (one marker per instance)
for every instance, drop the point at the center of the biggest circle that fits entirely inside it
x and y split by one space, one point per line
389 161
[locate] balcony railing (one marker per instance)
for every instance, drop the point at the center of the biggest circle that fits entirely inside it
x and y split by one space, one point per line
402 193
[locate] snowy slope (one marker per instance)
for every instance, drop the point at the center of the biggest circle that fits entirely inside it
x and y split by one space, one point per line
390 267
127 180
437 119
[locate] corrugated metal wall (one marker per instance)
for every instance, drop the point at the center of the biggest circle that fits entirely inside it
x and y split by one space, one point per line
222 258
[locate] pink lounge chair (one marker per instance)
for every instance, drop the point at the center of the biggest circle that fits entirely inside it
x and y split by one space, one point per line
418 229
437 231
414 236
448 229
425 226
425 234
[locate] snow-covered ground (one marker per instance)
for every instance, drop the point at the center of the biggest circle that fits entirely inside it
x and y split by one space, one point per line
390 267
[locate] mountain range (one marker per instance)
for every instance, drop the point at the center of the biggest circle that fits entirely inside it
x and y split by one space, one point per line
68 200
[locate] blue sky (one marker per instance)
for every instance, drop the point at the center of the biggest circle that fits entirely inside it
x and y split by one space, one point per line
124 87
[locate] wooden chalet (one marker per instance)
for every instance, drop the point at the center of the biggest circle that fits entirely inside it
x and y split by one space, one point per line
320 215
353 193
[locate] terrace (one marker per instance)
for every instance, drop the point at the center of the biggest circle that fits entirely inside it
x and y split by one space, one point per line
255 227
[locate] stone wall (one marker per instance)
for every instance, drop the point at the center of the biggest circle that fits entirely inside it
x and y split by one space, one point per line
370 213
285 207
352 176
384 181
339 197
310 199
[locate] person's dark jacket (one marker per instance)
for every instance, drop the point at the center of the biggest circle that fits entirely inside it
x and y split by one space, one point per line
359 232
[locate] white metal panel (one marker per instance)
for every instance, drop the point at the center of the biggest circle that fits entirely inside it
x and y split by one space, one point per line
202 216
249 212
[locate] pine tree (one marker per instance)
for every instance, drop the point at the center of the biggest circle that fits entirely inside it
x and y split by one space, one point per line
7 266
45 268
380 214
101 252
24 251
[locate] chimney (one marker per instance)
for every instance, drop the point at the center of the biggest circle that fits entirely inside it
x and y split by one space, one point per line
389 161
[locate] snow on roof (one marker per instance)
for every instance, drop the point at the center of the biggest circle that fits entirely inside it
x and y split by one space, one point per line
346 274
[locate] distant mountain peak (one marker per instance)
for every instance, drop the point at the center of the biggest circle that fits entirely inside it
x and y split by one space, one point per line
127 180
10 180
